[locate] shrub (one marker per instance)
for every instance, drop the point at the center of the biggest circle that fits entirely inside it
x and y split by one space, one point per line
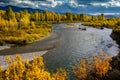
95 68
19 69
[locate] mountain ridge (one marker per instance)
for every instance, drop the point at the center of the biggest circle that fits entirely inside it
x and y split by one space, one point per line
17 9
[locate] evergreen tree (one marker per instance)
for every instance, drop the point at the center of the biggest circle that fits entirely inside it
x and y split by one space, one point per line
10 14
69 16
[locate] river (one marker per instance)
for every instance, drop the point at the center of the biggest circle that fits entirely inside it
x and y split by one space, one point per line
67 45
77 44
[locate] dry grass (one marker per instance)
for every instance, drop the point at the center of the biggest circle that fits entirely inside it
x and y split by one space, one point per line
24 36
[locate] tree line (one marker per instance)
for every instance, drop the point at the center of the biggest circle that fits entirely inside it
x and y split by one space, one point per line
17 20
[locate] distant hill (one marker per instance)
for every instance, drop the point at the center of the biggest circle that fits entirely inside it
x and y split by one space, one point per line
112 16
17 9
109 15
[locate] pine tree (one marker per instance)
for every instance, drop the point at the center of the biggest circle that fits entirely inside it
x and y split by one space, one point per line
10 14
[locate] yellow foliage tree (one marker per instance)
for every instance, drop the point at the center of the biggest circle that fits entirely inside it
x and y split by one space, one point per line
95 68
19 69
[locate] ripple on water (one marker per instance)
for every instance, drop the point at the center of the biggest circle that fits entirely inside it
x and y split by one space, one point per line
78 44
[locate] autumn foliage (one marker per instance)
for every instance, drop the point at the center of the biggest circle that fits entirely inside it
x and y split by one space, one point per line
95 68
19 28
19 69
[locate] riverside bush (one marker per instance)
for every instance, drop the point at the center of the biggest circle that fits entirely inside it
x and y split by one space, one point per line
95 68
19 69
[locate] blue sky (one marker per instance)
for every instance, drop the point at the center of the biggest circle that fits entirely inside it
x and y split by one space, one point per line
74 6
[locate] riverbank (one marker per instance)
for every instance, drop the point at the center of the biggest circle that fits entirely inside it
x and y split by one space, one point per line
33 35
46 43
24 36
115 35
26 54
112 23
7 46
30 56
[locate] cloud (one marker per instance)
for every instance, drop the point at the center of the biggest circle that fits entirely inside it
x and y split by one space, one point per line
39 3
111 3
100 4
31 3
21 3
74 3
66 5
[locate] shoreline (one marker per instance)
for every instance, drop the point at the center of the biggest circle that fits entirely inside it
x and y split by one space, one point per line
24 56
46 43
8 46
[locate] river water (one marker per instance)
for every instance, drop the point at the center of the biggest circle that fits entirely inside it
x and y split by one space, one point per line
67 45
76 44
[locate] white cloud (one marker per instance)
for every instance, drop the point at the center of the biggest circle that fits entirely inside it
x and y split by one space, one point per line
111 3
27 2
38 3
50 3
115 3
47 3
100 4
74 3
81 5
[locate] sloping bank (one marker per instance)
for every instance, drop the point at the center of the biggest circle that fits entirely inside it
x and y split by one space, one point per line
115 63
116 36
24 56
38 48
